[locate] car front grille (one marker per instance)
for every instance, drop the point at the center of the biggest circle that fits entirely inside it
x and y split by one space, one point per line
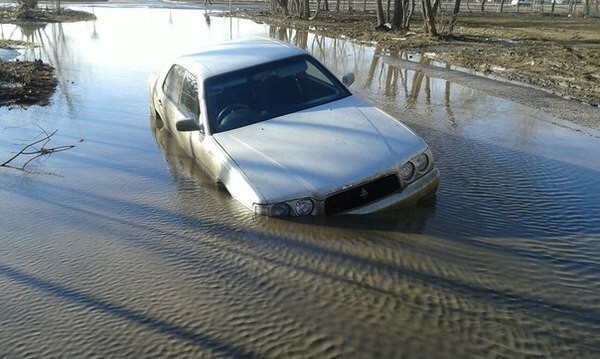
362 194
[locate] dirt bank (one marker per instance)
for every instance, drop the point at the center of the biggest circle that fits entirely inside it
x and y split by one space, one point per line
26 83
12 15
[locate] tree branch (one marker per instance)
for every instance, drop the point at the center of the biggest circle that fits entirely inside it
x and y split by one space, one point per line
36 153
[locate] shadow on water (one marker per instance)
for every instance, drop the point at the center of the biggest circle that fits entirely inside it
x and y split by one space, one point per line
106 307
260 246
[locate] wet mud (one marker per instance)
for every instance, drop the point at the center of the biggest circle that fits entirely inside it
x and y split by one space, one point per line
26 83
13 15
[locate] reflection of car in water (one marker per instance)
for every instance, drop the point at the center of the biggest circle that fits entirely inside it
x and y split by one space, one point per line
197 192
284 136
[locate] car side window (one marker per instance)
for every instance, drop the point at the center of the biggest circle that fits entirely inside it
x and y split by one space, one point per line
173 83
312 71
189 96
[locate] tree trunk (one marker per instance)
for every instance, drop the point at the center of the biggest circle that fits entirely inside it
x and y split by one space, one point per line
587 9
398 18
379 11
305 14
435 7
282 7
454 16
408 13
27 4
316 11
429 19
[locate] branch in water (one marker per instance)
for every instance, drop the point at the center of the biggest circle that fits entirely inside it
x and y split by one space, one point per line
32 150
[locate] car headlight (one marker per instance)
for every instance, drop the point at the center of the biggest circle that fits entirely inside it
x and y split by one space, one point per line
304 207
280 210
421 162
407 171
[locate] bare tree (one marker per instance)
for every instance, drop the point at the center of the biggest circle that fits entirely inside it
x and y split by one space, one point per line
409 10
455 16
403 10
587 8
280 7
429 19
316 11
398 17
379 11
305 11
27 4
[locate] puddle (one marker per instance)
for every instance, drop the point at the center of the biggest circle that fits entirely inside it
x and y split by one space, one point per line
121 247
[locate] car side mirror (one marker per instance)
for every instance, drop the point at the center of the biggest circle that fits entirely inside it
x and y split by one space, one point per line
187 125
348 79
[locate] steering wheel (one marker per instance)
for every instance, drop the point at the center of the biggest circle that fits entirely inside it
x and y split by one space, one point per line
229 109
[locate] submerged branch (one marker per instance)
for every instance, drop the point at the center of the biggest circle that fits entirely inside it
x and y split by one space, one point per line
32 150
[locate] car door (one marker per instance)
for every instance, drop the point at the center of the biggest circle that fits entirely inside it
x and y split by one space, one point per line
170 92
189 106
180 101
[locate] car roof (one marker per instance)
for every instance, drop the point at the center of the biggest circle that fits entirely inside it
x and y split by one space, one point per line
234 55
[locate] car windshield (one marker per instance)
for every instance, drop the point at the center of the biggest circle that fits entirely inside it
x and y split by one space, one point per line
259 93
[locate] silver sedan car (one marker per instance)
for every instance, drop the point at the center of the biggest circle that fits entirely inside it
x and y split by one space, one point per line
284 136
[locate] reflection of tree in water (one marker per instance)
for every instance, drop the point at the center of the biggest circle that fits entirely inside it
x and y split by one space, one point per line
331 52
53 47
447 106
393 80
296 37
387 78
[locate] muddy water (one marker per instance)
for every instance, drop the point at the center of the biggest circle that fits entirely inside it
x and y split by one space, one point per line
121 247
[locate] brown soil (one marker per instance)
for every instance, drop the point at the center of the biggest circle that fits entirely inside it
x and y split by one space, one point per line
557 53
27 83
14 16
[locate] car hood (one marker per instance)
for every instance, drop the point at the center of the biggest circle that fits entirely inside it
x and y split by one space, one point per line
320 150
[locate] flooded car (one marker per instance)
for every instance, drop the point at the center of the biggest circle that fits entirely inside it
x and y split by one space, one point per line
284 136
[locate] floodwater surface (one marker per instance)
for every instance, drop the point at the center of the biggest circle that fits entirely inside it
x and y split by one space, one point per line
121 247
